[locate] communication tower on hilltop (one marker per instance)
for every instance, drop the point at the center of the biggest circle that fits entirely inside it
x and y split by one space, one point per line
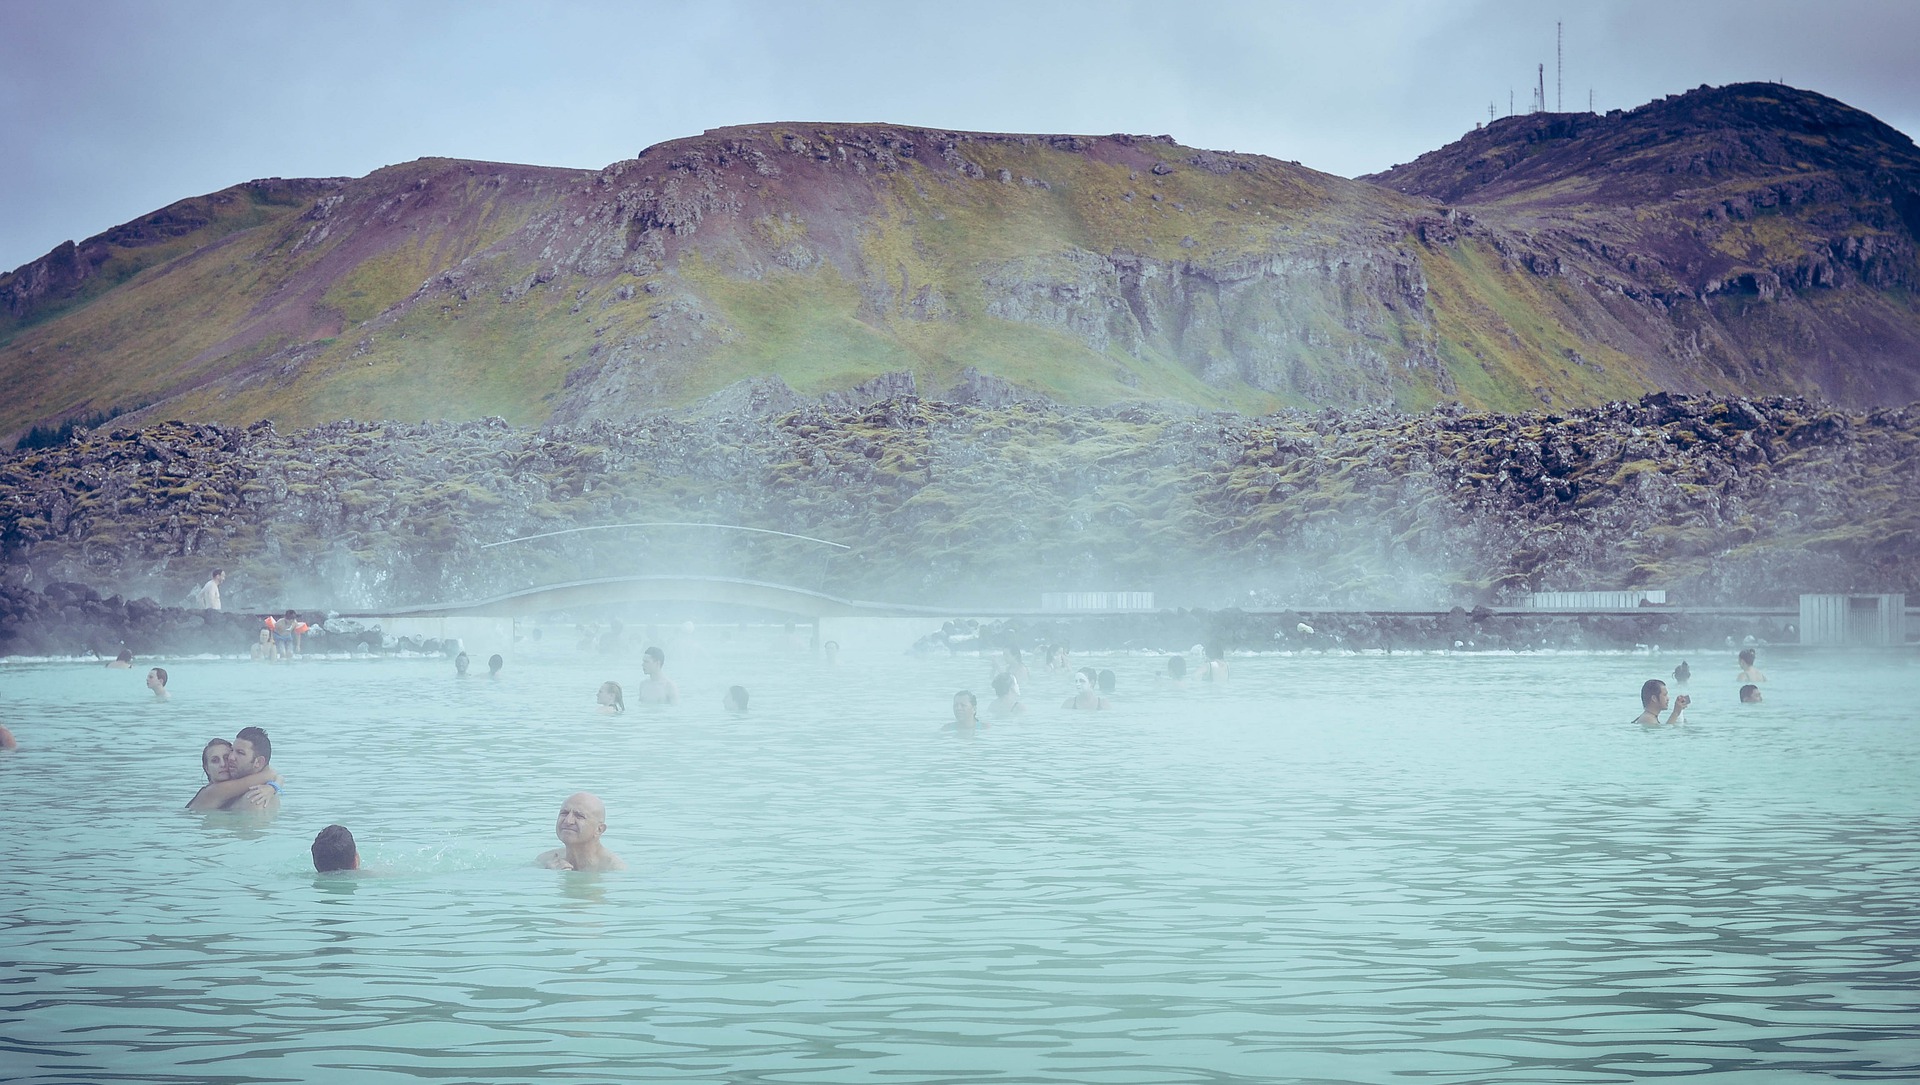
1539 90
1559 67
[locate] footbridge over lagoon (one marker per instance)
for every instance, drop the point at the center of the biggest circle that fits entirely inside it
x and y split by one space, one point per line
490 621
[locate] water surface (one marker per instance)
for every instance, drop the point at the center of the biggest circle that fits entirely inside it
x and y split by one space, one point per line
1345 869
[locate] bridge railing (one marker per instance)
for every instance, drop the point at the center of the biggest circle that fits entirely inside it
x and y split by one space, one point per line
682 548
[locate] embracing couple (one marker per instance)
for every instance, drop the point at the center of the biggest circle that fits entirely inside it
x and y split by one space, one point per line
238 777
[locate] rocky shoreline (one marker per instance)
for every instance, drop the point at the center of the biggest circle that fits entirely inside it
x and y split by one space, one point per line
1720 501
1459 630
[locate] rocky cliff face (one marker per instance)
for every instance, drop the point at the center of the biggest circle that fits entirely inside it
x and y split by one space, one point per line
1742 240
1718 500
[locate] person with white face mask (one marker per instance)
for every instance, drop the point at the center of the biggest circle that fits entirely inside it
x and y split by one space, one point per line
1086 691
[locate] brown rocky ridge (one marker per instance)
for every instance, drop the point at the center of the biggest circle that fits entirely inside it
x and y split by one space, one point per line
1752 239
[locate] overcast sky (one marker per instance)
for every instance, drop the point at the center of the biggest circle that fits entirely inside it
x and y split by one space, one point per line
113 108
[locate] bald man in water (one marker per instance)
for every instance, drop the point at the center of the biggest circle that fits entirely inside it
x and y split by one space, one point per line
582 820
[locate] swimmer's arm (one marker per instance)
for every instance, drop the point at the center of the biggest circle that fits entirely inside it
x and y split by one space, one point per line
553 860
220 792
673 692
6 740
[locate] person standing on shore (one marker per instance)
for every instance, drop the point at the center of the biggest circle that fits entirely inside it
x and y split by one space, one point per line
207 596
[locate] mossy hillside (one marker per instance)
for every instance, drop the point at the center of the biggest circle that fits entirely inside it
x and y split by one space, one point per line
937 231
1503 333
1717 500
830 254
226 326
123 253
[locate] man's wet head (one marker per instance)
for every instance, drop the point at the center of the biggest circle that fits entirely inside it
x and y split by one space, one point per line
582 819
334 849
251 752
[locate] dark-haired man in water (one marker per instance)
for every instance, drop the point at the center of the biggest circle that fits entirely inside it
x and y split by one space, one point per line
656 687
157 682
582 821
230 786
1653 698
334 849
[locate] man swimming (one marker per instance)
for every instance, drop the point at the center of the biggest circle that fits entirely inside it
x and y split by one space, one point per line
656 688
460 665
736 700
227 789
1749 672
157 682
121 662
1653 698
334 849
1749 694
582 821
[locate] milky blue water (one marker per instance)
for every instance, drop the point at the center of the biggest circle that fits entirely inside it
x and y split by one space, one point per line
1330 869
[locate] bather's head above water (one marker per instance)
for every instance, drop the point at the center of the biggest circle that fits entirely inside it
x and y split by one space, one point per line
581 823
611 699
334 849
582 819
1749 694
1653 694
213 760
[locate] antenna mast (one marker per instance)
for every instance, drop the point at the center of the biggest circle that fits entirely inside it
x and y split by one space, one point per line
1540 89
1559 67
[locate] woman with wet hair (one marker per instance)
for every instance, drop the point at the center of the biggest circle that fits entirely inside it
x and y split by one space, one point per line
1006 699
1086 691
612 702
1216 664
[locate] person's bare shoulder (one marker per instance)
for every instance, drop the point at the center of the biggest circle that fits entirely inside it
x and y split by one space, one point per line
553 860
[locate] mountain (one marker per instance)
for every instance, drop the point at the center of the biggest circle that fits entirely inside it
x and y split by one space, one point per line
1752 239
1776 228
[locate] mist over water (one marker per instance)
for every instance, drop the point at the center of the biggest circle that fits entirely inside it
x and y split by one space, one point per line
1355 868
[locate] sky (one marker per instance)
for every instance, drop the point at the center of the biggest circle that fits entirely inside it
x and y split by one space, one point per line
110 109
